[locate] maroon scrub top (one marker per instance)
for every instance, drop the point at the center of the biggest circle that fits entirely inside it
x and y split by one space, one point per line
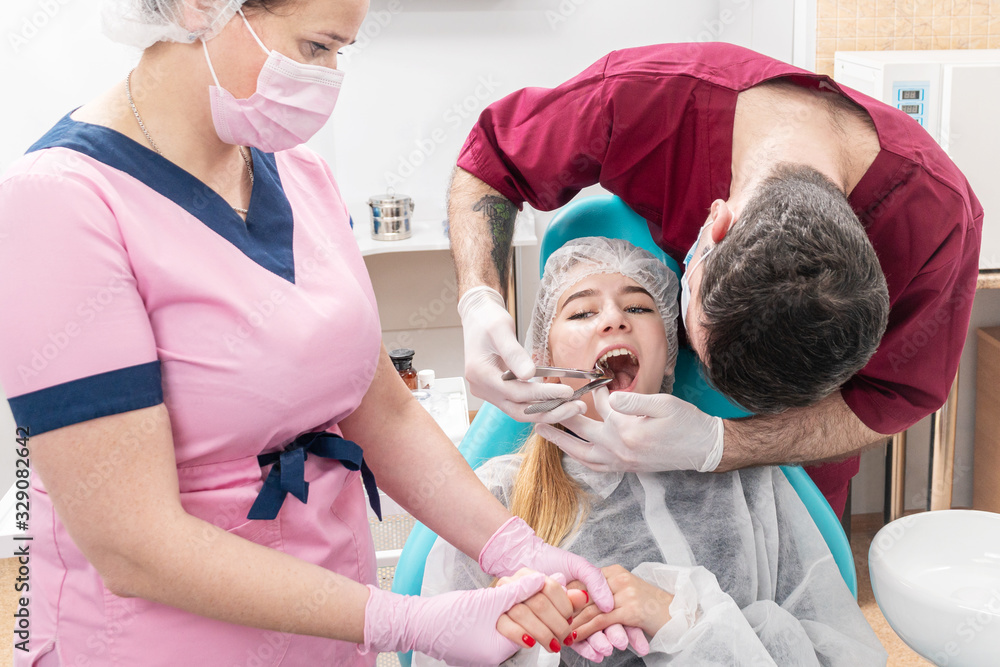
654 125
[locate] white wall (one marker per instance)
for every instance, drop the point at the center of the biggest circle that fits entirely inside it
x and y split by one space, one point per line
418 78
52 59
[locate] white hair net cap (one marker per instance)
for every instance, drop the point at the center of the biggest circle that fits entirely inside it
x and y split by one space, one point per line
142 23
590 255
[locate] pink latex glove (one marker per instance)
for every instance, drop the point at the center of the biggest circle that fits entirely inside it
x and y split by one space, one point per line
515 545
458 627
601 644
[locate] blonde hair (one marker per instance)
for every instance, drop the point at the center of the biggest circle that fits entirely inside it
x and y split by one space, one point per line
544 495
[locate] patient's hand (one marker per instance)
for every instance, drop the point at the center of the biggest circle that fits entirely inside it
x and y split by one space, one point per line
637 603
543 618
639 607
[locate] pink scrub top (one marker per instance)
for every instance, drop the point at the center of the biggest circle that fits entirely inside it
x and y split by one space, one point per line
654 125
133 284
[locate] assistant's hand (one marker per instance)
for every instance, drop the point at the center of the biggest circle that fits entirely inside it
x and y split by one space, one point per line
457 627
491 348
641 433
543 618
514 545
539 619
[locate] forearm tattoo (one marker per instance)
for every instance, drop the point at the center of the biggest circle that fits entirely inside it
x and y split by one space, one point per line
499 213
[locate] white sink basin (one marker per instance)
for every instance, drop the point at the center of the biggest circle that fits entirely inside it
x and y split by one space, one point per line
936 578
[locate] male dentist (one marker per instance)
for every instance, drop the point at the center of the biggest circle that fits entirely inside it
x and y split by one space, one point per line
830 251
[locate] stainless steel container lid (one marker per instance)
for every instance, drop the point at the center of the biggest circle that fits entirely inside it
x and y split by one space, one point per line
391 205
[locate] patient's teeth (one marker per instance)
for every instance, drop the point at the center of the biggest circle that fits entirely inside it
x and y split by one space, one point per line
617 352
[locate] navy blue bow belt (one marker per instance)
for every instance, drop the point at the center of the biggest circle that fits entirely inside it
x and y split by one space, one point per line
288 473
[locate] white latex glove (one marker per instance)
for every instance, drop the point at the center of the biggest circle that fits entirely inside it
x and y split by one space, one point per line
458 627
491 348
641 433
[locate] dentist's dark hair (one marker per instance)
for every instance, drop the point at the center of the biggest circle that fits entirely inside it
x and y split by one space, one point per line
794 300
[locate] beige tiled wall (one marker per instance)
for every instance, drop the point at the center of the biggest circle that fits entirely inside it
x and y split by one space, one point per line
884 25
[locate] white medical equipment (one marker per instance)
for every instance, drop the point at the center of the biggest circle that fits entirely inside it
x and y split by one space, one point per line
955 96
936 577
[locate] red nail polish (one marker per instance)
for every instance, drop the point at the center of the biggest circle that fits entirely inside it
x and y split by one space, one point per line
528 639
586 598
569 620
570 639
554 646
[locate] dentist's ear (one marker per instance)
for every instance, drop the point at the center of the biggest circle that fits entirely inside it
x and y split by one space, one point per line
723 220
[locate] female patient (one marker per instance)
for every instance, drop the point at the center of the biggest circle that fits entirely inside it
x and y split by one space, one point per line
715 568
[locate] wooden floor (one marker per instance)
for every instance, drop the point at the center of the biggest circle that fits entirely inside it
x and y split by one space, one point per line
8 605
863 529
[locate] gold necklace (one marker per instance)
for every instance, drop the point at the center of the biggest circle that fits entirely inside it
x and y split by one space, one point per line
142 126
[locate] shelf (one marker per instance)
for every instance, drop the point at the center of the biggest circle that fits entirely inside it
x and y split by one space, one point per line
430 235
988 279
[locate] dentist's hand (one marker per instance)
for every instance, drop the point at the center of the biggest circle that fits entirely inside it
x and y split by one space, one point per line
491 348
641 433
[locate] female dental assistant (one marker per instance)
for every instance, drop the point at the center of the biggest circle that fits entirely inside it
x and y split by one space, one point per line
196 340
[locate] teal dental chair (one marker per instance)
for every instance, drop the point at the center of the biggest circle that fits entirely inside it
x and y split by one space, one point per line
493 433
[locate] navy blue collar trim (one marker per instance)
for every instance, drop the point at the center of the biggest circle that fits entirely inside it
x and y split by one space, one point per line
267 235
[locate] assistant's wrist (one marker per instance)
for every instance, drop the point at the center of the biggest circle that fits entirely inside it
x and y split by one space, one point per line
386 616
499 556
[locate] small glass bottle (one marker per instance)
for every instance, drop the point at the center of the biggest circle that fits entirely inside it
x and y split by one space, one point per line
425 379
402 359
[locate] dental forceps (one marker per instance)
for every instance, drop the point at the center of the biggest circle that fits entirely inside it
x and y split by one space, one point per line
599 377
556 372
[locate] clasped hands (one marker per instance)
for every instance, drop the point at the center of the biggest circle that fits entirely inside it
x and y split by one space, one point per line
564 615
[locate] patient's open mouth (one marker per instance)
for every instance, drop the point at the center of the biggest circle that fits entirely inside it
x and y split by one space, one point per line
623 365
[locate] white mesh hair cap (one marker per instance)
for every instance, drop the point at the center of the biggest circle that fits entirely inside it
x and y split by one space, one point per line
142 23
590 255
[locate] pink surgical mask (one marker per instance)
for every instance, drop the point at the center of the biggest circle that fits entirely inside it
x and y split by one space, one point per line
291 103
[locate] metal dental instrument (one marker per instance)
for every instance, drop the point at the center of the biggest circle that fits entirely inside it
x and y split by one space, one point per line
556 372
552 404
599 377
